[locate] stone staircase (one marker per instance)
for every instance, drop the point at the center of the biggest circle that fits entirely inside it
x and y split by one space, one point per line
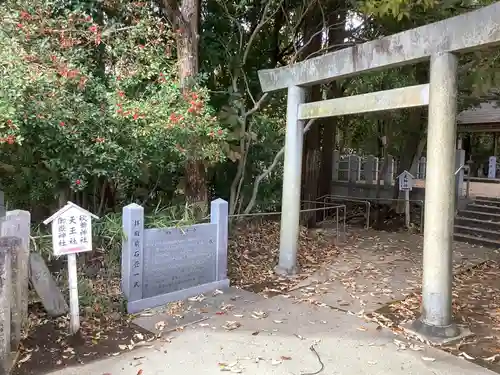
479 222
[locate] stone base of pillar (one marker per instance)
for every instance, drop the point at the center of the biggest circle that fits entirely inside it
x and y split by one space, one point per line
436 335
285 272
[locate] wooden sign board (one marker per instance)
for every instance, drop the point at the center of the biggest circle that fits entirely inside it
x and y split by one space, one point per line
71 230
406 181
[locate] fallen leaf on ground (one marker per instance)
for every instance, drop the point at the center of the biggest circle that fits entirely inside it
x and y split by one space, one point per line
231 367
493 358
285 358
230 325
259 315
465 355
25 358
198 298
160 326
416 347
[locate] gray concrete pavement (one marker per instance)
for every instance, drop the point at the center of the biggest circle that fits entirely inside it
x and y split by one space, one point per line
276 340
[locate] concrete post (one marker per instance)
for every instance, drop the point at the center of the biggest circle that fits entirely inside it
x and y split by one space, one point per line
133 251
459 177
5 306
370 169
336 161
436 318
219 214
17 224
290 206
353 168
389 170
422 167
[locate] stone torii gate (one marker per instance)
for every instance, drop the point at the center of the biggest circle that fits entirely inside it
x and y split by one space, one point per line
440 43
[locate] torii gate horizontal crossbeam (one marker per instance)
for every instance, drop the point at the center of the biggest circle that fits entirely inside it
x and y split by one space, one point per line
463 33
405 97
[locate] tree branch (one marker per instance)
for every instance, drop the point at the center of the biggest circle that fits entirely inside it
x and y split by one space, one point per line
174 14
266 172
263 20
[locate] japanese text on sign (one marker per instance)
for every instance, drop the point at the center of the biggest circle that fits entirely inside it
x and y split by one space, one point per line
405 181
136 253
72 233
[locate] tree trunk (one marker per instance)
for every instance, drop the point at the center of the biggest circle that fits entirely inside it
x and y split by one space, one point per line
311 159
336 36
415 131
185 20
329 131
381 153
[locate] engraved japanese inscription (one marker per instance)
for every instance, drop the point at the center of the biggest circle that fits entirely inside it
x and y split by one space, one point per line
178 258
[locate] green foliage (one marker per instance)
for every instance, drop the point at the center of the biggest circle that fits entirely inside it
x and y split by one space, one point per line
91 96
398 9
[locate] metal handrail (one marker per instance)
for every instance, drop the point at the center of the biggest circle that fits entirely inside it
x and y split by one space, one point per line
348 199
465 167
337 208
459 169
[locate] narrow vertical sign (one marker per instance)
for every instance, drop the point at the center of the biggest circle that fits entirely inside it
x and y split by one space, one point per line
492 167
72 234
405 185
132 251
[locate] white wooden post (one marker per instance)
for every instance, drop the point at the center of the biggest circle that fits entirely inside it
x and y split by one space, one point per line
72 234
74 307
406 182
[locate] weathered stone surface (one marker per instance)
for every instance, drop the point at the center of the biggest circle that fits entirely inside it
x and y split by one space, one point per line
5 306
2 204
17 224
162 265
458 34
13 246
52 298
405 97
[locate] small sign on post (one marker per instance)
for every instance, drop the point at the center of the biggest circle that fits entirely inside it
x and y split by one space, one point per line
406 182
72 234
492 167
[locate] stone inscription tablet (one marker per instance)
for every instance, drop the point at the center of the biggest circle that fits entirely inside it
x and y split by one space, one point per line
178 258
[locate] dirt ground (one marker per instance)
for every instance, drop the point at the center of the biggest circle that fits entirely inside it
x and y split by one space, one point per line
48 346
